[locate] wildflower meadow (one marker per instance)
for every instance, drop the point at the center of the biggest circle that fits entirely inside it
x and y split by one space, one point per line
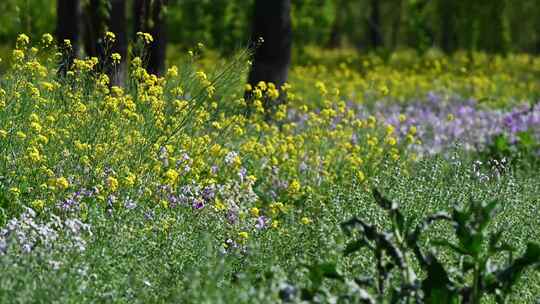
408 176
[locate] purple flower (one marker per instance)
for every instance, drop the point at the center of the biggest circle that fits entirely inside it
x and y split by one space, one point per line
242 173
209 192
130 204
198 204
262 222
232 217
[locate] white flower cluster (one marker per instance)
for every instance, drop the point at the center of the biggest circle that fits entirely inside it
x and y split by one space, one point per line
27 232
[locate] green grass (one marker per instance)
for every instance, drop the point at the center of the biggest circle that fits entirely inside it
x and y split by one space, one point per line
132 260
76 139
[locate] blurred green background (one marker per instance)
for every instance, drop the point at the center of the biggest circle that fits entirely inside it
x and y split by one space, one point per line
486 25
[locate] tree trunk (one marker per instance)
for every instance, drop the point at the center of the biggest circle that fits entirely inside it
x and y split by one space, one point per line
447 16
94 27
117 24
67 27
336 33
494 28
396 24
374 24
272 23
150 18
101 16
67 22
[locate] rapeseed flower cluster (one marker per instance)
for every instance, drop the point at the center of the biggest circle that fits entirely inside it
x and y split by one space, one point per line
74 142
493 80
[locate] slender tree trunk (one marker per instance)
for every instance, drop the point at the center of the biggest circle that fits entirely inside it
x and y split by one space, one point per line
67 27
449 12
272 23
374 24
101 16
67 22
150 18
396 25
336 33
494 28
94 27
117 24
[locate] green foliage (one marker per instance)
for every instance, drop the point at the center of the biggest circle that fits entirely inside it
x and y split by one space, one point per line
489 25
522 152
33 17
399 252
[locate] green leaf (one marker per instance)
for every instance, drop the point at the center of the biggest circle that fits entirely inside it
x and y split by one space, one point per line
354 247
329 270
383 202
508 276
318 272
501 143
448 244
526 139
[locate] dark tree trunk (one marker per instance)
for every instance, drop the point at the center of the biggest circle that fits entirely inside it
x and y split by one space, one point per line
94 27
374 24
396 24
150 18
67 22
101 16
493 27
67 27
117 25
447 17
272 23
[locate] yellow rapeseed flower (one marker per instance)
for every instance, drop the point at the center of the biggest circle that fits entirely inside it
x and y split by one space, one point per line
112 183
47 39
254 211
116 58
61 183
38 204
294 186
110 36
23 40
171 176
305 220
360 176
244 236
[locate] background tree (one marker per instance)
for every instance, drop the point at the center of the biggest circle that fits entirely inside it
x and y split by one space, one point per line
101 16
94 16
374 25
493 26
67 27
117 24
224 25
67 22
337 30
446 10
396 24
149 17
272 23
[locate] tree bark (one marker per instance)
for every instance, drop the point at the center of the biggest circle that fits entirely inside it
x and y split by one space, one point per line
67 27
150 18
374 24
272 23
101 16
67 22
447 16
494 28
117 24
396 24
93 27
